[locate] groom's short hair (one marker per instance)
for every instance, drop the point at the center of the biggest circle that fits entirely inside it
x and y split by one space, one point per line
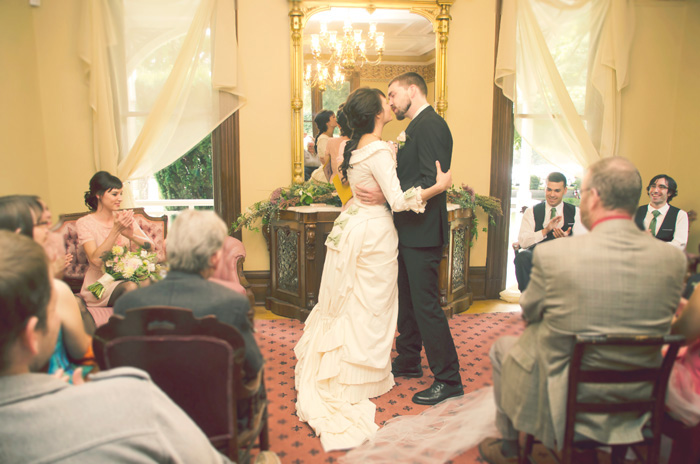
410 78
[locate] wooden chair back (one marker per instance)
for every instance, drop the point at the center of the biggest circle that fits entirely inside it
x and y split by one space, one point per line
653 404
199 364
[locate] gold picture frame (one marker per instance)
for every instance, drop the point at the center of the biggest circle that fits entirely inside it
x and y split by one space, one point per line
435 11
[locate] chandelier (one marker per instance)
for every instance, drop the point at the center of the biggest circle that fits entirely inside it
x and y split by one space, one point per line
344 54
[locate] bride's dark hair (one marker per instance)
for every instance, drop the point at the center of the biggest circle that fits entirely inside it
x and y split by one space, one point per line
361 108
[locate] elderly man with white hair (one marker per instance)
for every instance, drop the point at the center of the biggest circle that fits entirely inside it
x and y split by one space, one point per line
194 248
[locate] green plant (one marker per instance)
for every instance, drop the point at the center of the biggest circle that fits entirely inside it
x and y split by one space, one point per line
534 182
310 192
466 197
190 176
282 198
573 201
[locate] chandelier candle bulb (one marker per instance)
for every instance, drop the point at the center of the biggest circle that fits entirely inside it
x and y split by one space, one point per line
337 57
379 41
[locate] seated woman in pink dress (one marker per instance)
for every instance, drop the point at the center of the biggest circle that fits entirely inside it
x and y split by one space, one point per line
104 228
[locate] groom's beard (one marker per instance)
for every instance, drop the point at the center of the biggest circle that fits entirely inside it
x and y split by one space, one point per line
401 112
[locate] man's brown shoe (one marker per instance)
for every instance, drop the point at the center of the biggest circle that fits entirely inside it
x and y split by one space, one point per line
490 451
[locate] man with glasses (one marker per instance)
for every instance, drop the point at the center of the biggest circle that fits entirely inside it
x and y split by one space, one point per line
662 220
611 280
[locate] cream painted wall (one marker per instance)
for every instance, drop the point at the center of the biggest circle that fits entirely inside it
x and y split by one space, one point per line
23 157
685 148
67 117
46 132
265 120
470 62
660 117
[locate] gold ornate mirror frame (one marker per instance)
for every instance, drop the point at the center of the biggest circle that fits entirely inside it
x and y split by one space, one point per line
435 11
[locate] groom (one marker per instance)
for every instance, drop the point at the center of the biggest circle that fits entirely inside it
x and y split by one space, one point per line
421 240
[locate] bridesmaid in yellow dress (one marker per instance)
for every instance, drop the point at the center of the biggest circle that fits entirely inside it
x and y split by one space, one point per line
335 156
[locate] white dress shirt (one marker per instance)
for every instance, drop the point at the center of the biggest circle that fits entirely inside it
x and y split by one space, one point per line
680 234
425 105
528 236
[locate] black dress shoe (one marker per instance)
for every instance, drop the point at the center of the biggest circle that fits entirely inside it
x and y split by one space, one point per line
437 392
402 371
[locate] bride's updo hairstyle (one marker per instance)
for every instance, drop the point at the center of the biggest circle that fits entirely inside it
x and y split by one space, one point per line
100 183
361 108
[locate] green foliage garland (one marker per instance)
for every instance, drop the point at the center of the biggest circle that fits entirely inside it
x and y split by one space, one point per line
466 197
283 198
310 192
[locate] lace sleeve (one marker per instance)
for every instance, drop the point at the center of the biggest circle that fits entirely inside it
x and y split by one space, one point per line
384 172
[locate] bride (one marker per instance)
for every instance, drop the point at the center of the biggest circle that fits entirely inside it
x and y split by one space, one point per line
343 357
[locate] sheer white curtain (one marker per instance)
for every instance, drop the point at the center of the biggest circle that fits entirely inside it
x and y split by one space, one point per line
162 75
564 64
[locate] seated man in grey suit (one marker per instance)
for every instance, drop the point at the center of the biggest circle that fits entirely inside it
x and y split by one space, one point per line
120 415
613 280
194 248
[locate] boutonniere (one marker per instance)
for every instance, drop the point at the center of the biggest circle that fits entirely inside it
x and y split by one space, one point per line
401 139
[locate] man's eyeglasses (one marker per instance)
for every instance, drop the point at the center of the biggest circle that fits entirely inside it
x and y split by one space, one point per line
42 224
660 187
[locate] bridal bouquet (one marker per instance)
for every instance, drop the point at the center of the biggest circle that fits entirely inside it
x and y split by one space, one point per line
121 264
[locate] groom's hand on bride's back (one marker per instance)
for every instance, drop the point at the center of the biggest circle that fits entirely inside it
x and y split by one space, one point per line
444 179
369 196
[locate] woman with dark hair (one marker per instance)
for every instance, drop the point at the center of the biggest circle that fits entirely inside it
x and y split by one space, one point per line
20 214
343 357
326 123
100 231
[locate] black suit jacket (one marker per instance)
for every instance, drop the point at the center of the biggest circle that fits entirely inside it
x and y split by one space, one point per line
192 291
427 139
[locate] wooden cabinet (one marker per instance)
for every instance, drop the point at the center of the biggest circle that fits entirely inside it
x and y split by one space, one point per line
297 253
455 293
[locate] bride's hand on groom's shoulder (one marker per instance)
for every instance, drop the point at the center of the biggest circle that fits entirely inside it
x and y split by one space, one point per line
443 179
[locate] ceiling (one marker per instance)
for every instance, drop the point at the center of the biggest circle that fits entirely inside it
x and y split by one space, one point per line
406 35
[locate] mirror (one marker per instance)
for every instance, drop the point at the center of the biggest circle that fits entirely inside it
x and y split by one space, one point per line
415 39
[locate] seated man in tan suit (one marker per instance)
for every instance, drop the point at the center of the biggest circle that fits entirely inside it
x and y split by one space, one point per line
613 280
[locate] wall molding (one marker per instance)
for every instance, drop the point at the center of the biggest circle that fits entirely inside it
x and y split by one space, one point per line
386 72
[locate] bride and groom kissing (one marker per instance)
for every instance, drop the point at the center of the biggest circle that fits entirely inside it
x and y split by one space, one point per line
381 268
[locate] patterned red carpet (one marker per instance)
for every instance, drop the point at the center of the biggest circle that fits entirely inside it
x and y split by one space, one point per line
295 442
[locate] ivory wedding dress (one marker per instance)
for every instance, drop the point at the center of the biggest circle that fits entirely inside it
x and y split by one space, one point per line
343 357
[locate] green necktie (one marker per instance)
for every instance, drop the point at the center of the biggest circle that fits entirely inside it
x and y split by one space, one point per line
652 224
553 213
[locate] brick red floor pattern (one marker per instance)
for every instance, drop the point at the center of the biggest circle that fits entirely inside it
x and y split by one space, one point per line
296 443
